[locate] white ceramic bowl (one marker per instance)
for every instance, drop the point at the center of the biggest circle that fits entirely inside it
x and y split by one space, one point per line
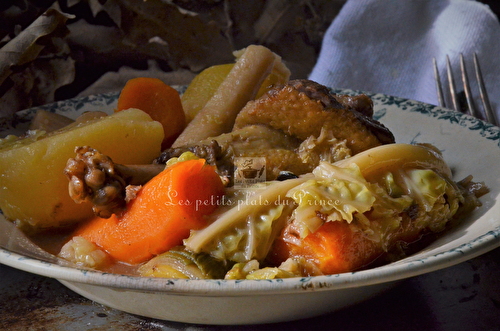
469 146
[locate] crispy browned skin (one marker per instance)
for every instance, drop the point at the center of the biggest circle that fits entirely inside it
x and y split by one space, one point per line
294 127
360 103
302 108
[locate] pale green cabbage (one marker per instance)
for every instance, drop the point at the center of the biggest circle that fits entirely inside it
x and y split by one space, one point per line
335 192
248 239
251 270
426 186
330 194
186 156
242 232
342 194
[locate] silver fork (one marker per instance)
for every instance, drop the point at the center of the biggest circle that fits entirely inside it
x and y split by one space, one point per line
490 116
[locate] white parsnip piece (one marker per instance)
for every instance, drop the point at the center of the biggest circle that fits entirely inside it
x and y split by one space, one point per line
389 157
275 192
240 86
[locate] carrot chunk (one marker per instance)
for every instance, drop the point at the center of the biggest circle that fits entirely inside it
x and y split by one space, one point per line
161 101
164 212
334 248
337 247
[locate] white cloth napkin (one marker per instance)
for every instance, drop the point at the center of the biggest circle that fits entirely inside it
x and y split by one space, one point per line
387 46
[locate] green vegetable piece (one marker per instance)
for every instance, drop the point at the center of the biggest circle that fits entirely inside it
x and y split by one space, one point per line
181 263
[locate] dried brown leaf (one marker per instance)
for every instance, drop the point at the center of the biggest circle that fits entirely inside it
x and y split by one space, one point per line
180 35
277 17
164 31
35 64
30 42
36 84
112 8
98 39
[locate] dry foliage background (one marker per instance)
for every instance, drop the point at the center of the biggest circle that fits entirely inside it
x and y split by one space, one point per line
53 50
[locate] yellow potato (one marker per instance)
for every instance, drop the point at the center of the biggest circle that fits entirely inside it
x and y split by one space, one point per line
33 187
203 87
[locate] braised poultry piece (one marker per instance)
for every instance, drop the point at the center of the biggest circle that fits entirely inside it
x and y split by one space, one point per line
294 126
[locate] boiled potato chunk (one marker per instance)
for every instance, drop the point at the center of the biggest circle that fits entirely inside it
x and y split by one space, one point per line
33 187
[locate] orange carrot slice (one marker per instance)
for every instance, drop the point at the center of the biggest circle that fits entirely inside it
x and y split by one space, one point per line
164 212
338 247
161 101
333 248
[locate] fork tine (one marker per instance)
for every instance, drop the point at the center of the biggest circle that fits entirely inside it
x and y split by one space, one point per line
451 81
472 110
468 93
438 84
484 95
